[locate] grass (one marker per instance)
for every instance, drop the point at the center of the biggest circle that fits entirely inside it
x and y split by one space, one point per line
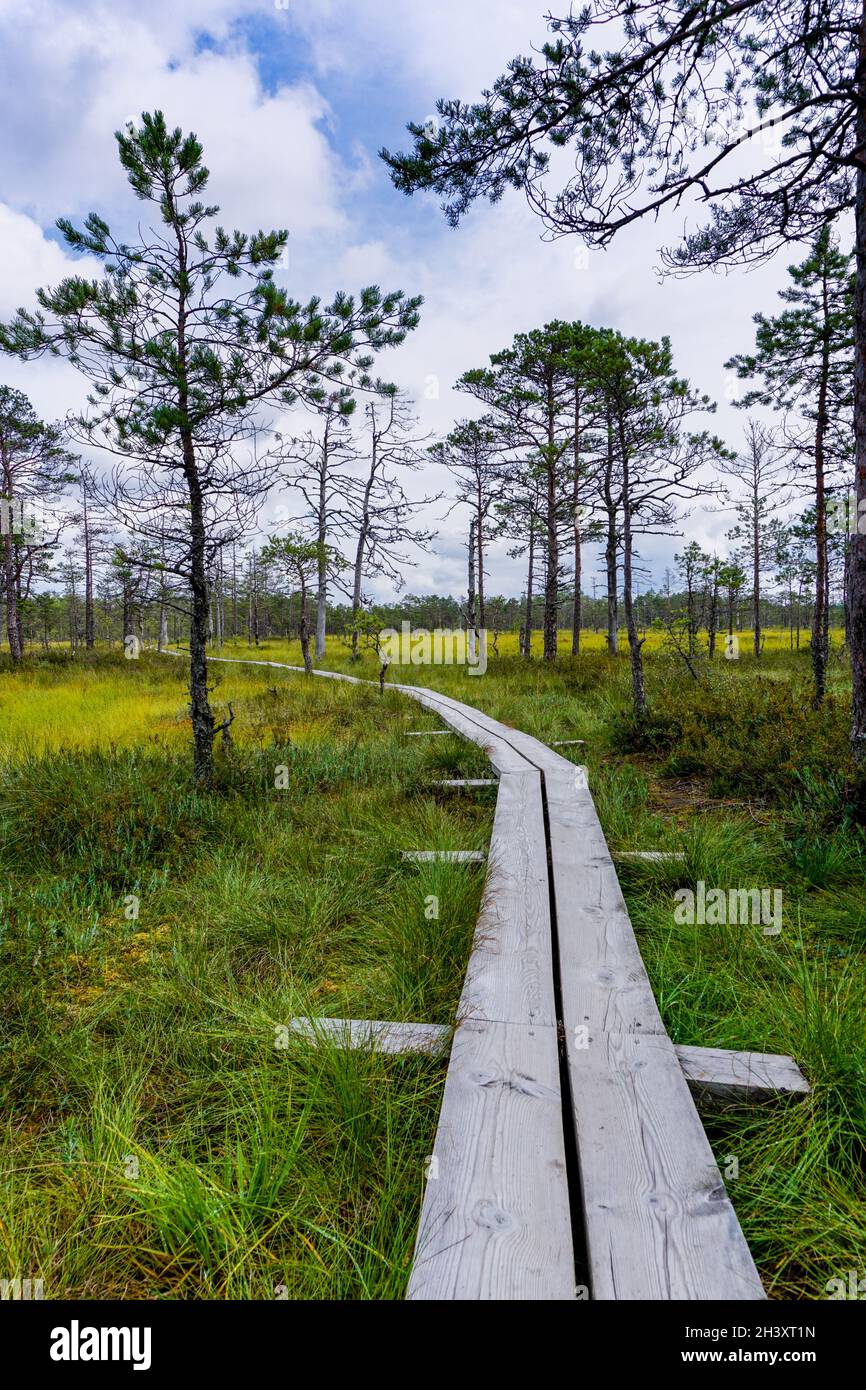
740 774
163 1135
261 1168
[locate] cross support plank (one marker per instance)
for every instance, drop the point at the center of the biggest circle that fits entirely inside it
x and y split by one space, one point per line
468 782
394 1038
740 1076
444 856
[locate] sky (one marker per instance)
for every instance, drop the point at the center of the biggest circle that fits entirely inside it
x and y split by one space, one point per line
292 100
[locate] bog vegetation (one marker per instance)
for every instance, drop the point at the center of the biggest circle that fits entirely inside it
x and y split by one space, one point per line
195 854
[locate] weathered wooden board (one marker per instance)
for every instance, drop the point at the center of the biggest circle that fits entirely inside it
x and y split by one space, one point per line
444 856
509 977
495 1221
467 782
650 856
395 1038
747 1076
425 733
599 959
658 1222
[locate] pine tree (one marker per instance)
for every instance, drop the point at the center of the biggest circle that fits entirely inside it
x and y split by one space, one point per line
805 358
184 337
667 114
35 467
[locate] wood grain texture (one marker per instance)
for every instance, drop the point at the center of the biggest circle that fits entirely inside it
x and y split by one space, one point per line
740 1076
495 1221
509 977
466 782
395 1038
444 856
605 985
658 1220
651 856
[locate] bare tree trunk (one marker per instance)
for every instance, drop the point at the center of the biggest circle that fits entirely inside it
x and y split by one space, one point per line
713 618
575 504
610 550
820 622
234 590
482 616
551 579
13 632
218 600
361 553
756 574
304 630
321 563
255 612
610 564
89 633
635 643
10 584
857 570
202 717
530 579
471 615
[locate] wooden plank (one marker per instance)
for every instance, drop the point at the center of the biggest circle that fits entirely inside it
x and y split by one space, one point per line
444 856
494 738
396 1038
495 1220
424 733
467 782
658 1221
608 988
710 1071
509 977
651 856
721 1074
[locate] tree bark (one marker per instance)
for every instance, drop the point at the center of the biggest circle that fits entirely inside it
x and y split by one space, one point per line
857 564
820 621
551 580
610 551
304 630
635 643
713 618
89 633
575 502
202 716
471 614
530 578
321 563
756 573
10 579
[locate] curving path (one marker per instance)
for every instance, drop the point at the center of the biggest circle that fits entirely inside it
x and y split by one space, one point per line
570 1160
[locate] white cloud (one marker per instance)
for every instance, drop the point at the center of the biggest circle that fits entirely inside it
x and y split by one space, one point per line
70 75
89 70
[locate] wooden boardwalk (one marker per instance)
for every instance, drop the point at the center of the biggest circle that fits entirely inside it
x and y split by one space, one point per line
569 1156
